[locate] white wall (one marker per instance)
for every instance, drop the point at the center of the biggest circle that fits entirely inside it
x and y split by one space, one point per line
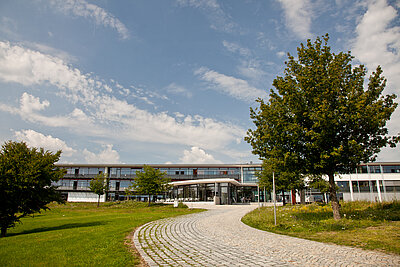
84 197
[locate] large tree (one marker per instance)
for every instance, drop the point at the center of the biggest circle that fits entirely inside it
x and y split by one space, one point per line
26 182
99 185
320 120
150 181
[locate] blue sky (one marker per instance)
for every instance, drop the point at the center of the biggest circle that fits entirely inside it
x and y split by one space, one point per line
168 81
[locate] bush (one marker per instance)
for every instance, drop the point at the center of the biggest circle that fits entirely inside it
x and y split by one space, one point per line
182 205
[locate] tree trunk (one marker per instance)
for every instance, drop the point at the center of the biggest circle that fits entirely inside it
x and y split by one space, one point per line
283 198
302 197
3 231
149 200
98 202
333 198
293 196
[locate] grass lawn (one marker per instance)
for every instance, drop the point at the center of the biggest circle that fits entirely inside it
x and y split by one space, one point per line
80 234
365 225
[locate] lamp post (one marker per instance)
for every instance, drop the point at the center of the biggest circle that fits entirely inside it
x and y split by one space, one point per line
273 192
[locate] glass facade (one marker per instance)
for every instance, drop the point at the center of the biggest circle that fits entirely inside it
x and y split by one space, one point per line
227 193
249 174
363 180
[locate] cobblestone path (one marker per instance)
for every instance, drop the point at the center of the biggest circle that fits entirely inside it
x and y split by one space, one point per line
217 237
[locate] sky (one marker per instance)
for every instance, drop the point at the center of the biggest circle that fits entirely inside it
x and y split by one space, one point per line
164 81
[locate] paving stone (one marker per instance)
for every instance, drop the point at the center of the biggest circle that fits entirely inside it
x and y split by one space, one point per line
217 237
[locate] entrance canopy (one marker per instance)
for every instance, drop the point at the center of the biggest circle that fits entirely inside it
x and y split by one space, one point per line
219 190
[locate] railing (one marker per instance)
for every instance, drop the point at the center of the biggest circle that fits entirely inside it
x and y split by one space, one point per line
171 176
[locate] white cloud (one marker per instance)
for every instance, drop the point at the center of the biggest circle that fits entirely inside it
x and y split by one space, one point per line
97 14
378 43
45 49
237 88
219 20
177 89
250 67
30 105
28 67
96 112
280 54
197 156
298 15
35 139
235 48
107 155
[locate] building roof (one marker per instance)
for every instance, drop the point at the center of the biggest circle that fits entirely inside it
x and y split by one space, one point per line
138 166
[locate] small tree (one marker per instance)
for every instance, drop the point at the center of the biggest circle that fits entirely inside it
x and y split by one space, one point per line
320 120
150 182
99 185
317 182
284 180
26 182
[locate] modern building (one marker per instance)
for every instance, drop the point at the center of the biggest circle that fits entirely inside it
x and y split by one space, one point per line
224 183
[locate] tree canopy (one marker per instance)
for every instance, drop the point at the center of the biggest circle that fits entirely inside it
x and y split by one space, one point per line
150 182
26 177
320 119
99 185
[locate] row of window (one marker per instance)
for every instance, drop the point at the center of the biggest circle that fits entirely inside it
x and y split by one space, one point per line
369 186
130 172
379 169
67 184
358 186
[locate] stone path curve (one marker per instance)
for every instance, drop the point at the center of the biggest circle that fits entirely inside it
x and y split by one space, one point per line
217 237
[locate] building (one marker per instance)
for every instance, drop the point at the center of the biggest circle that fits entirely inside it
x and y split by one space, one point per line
224 183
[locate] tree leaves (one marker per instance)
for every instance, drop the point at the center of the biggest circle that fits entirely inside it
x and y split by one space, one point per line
27 177
320 120
149 181
321 114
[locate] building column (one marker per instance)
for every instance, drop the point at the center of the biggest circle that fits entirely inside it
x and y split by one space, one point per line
369 183
379 190
385 198
351 189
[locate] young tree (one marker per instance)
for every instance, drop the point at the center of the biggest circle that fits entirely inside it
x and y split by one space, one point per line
99 185
26 177
150 182
317 182
320 120
284 180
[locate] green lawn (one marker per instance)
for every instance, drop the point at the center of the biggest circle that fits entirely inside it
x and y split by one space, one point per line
80 234
366 225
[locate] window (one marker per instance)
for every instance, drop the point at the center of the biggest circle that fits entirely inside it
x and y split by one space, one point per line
125 184
117 186
391 169
343 186
364 186
125 172
374 169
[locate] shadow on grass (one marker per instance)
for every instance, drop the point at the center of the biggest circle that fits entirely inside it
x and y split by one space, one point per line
59 227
